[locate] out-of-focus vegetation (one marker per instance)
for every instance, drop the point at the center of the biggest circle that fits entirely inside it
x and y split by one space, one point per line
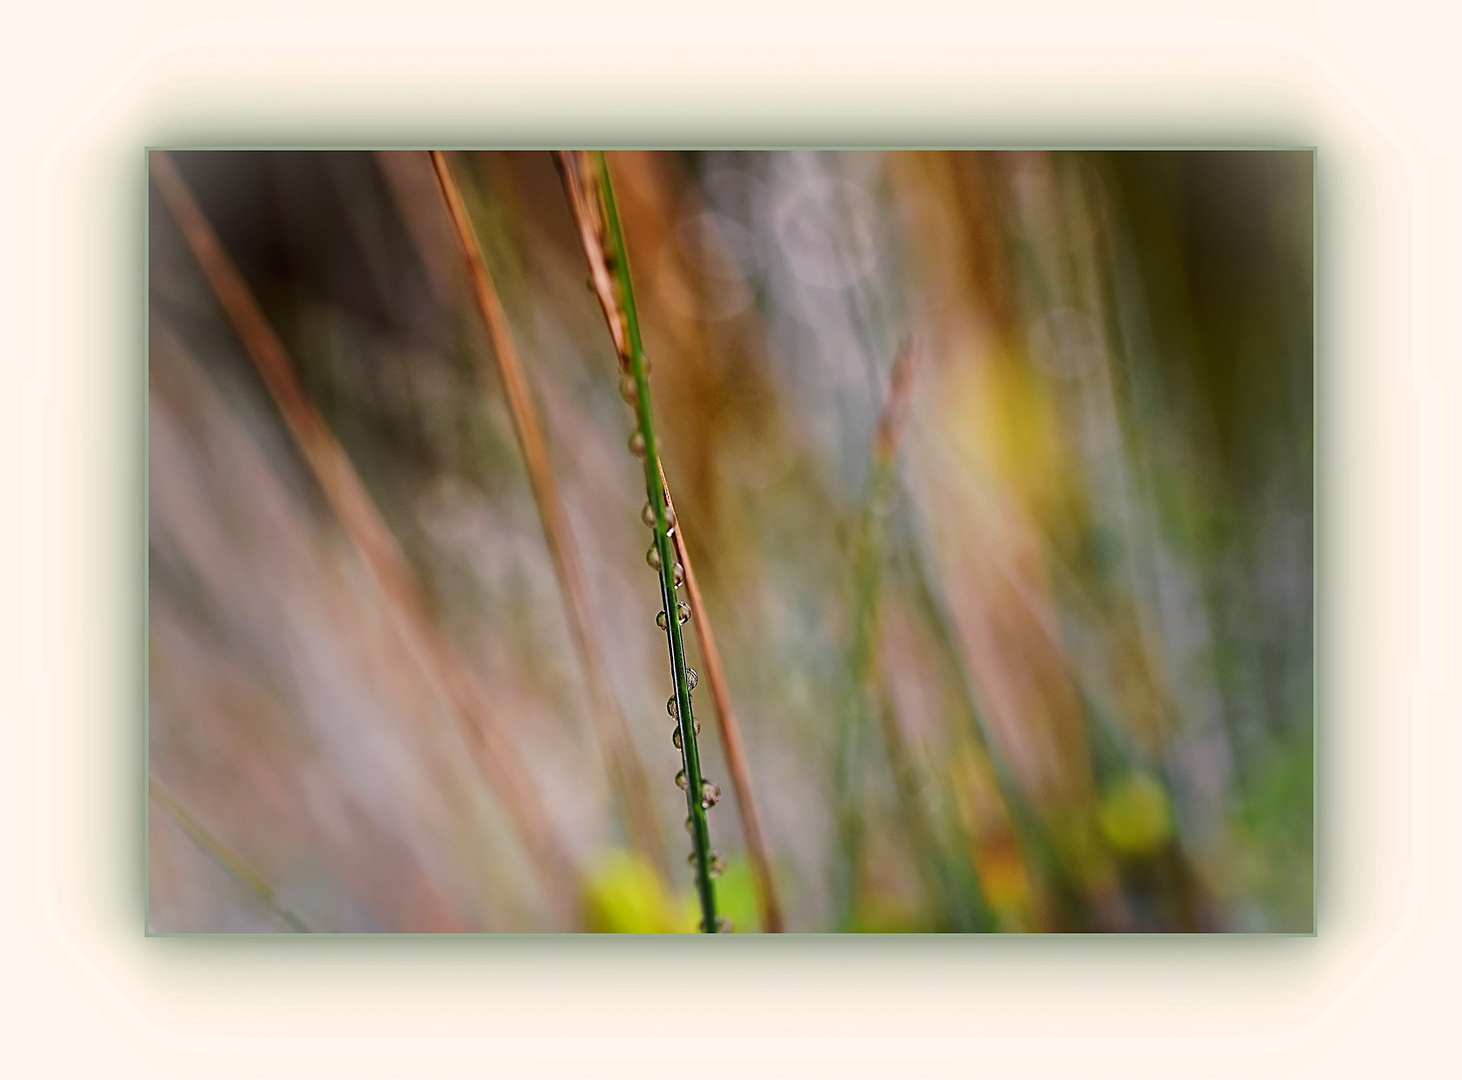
1049 670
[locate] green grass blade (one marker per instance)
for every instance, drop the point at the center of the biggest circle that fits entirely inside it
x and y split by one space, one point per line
634 370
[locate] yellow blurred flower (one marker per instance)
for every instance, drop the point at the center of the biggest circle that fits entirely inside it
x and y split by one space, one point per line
624 895
1135 817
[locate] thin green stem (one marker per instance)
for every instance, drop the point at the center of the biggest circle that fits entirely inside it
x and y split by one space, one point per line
866 697
224 857
633 358
856 704
1037 847
761 864
962 911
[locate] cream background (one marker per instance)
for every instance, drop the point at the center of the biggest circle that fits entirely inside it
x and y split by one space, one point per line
88 85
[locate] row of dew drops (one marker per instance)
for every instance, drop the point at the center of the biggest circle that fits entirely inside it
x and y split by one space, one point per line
710 793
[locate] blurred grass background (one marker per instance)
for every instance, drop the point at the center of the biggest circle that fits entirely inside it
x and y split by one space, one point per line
1085 697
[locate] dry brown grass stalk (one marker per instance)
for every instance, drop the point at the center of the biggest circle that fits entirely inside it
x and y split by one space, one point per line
630 783
579 183
582 188
766 893
496 755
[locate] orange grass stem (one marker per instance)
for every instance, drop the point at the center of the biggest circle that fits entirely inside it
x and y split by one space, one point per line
766 892
631 786
496 756
579 185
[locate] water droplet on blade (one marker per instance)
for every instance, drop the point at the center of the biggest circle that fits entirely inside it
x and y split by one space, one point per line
637 444
710 794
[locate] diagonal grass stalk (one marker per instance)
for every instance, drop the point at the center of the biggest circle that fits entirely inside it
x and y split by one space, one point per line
604 287
1038 854
496 756
591 195
962 910
761 869
225 857
626 771
867 577
867 700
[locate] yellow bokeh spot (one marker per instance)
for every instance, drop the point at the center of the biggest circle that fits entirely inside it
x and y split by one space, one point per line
1135 817
624 895
1001 420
